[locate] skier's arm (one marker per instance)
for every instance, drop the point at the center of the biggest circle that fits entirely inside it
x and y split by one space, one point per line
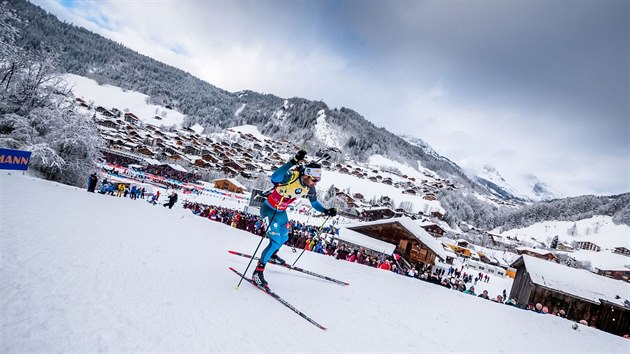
312 197
282 174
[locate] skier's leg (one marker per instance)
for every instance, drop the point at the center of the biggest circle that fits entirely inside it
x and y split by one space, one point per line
278 235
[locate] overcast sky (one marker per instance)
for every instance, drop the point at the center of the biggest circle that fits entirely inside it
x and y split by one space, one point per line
532 87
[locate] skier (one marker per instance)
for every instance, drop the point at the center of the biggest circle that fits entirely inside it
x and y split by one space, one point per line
290 184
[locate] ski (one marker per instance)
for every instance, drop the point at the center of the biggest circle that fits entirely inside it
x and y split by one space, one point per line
298 269
281 300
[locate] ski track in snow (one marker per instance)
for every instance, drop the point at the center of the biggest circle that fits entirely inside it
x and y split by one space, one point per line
85 272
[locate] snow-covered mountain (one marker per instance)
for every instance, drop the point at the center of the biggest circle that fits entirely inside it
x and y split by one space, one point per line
423 145
539 190
528 188
490 178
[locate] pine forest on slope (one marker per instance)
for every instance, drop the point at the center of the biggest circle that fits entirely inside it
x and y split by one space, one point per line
84 53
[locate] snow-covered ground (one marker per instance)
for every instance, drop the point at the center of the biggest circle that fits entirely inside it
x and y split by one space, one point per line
599 229
84 272
110 97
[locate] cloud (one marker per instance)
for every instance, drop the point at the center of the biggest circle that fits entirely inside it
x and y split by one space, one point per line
529 87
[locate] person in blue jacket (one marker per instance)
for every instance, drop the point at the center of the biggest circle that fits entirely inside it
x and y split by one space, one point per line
290 183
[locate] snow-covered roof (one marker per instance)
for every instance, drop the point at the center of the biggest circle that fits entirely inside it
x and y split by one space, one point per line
233 181
534 250
577 282
151 161
177 167
412 227
365 241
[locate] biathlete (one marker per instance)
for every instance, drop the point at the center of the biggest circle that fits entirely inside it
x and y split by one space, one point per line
290 183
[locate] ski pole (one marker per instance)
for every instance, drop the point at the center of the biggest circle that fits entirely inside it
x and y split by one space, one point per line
259 243
319 231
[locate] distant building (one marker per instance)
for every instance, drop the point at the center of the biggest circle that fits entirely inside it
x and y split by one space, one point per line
413 243
615 273
587 245
433 229
604 303
622 250
378 213
229 184
534 252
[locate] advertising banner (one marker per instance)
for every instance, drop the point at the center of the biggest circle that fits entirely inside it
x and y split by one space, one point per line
14 159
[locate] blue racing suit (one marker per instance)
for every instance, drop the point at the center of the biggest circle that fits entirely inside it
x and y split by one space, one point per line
288 187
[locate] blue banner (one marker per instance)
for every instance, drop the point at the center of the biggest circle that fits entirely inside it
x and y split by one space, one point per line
14 159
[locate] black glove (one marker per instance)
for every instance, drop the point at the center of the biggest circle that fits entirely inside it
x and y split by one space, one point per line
298 157
332 212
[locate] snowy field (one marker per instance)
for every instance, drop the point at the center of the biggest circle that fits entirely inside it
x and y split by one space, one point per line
110 97
84 272
599 229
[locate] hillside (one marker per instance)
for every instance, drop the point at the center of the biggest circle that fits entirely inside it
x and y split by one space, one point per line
195 103
83 53
131 280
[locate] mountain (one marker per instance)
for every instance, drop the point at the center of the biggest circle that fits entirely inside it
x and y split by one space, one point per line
304 122
531 188
540 190
490 178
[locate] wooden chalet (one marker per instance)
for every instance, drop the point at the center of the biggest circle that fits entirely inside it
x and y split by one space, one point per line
603 302
131 118
437 214
537 253
565 247
413 243
433 229
429 196
237 166
378 213
615 273
229 184
586 245
621 250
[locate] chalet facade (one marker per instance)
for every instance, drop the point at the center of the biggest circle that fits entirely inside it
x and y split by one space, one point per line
622 274
229 184
586 245
621 250
412 242
433 229
604 303
378 214
534 252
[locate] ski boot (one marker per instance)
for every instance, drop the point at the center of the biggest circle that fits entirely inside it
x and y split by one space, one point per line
258 277
275 259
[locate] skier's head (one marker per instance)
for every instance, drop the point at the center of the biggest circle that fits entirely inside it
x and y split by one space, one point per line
311 174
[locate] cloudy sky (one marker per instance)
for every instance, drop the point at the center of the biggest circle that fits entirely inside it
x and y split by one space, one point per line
531 87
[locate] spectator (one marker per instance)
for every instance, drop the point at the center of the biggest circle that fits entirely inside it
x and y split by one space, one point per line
172 199
92 182
470 291
484 295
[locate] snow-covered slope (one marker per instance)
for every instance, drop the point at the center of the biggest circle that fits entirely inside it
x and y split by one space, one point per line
109 97
599 230
527 188
326 133
84 272
496 184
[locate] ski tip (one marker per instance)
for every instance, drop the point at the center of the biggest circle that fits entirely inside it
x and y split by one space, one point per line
231 252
